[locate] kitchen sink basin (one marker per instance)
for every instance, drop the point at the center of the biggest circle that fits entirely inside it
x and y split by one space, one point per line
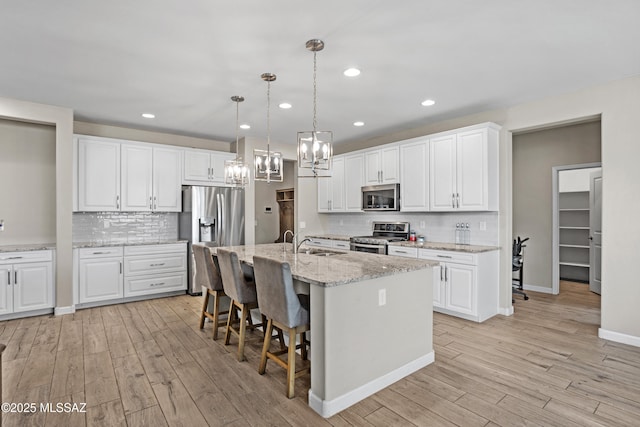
318 252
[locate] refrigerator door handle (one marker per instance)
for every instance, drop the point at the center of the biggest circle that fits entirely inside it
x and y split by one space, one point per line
219 220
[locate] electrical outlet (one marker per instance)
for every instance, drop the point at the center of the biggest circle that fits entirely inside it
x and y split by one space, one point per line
382 297
341 222
483 225
422 225
302 225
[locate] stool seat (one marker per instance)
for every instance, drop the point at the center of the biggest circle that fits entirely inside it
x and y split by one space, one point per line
207 275
284 309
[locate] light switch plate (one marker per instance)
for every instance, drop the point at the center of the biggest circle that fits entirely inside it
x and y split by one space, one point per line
483 225
302 225
382 297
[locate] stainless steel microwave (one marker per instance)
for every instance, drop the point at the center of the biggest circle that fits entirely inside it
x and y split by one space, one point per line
384 197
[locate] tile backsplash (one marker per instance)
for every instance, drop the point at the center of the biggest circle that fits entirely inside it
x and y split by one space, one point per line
124 227
435 226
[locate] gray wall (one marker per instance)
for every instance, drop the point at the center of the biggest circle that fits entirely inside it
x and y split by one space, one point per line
534 154
27 182
268 224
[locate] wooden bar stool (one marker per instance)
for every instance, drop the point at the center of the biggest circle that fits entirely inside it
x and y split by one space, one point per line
208 276
284 309
242 291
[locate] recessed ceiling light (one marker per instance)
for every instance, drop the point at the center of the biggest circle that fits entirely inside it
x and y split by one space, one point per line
428 102
245 126
285 105
351 72
358 123
148 116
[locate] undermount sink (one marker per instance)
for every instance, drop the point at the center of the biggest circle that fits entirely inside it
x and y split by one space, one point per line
318 252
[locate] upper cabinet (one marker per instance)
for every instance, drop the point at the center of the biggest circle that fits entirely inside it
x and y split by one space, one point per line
98 174
203 167
331 190
353 182
382 166
463 169
414 175
151 178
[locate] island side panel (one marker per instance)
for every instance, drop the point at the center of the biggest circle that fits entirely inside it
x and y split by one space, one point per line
358 344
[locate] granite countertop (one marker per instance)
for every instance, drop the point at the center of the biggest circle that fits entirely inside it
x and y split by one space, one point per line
474 249
334 270
329 236
99 244
28 247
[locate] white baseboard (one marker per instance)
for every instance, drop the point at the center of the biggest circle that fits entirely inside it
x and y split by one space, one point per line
541 289
506 311
59 311
618 337
328 408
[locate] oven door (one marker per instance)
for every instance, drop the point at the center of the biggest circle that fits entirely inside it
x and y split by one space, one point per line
372 249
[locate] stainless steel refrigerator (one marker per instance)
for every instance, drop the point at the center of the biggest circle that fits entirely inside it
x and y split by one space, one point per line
210 214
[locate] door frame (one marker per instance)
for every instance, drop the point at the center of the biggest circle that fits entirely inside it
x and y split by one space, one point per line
555 266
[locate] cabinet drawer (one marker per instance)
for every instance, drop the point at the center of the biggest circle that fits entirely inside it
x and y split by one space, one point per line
339 244
27 256
323 243
403 251
109 251
155 249
136 265
448 256
146 285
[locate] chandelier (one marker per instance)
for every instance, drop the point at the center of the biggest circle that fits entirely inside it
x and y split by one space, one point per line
236 173
268 164
314 147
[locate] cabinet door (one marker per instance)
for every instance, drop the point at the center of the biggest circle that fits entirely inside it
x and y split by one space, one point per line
324 194
197 166
33 289
353 182
98 175
472 174
100 279
414 176
6 289
137 168
460 283
438 286
372 167
217 166
389 165
337 185
442 172
167 190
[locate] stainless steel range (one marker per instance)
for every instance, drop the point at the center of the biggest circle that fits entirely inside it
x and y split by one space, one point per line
383 233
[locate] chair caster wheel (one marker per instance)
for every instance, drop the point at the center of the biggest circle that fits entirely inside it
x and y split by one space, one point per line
526 298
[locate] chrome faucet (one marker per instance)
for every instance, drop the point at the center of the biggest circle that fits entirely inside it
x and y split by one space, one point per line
296 247
294 239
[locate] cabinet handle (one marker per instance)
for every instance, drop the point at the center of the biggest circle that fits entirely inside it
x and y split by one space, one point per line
118 202
401 252
453 200
157 284
329 204
157 265
441 268
121 267
99 253
457 200
150 203
444 256
9 278
445 274
15 277
12 257
155 204
381 176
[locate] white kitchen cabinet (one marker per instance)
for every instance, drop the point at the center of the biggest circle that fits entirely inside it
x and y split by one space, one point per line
382 165
153 269
414 175
150 179
331 190
98 174
465 284
329 243
26 282
353 182
463 169
204 167
100 274
403 251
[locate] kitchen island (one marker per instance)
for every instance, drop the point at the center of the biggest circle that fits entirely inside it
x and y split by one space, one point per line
371 319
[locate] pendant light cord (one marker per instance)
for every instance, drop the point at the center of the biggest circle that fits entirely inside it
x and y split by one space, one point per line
315 91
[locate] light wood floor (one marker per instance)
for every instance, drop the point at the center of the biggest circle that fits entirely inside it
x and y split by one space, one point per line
147 363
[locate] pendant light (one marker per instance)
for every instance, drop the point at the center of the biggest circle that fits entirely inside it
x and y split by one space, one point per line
314 147
236 173
268 164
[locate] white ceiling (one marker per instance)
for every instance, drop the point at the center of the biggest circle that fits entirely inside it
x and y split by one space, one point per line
182 60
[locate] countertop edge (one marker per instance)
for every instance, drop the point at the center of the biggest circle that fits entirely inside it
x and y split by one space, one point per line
442 246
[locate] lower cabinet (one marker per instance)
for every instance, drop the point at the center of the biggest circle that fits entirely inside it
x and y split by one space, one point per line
112 274
344 245
26 282
465 284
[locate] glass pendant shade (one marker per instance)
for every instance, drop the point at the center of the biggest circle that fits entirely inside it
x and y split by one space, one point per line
236 173
268 164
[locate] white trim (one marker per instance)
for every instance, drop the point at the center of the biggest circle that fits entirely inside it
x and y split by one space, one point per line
59 311
541 289
506 311
328 408
618 337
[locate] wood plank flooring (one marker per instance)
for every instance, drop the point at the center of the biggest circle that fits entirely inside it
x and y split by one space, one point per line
147 364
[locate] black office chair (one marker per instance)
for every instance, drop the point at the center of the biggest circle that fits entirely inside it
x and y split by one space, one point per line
518 266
